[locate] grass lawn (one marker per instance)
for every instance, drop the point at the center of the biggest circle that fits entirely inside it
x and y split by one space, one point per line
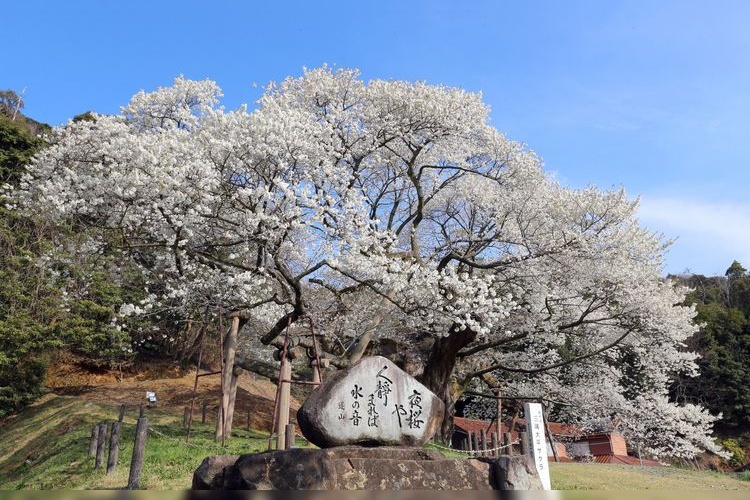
46 447
576 476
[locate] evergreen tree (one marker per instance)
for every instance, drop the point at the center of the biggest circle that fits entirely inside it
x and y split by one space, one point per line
723 311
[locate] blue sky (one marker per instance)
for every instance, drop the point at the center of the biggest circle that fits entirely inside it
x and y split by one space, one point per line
652 96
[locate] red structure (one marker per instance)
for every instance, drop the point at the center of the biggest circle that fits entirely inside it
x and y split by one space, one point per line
571 443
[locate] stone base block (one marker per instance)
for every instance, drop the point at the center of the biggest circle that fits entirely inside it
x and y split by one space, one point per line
357 468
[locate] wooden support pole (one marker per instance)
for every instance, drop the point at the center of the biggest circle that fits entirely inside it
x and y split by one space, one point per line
139 450
100 443
275 427
317 365
93 440
285 375
495 445
234 380
483 442
219 422
229 352
114 447
121 416
202 337
315 372
470 442
549 436
499 410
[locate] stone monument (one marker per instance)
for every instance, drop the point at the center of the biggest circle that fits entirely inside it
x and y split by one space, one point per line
374 403
370 422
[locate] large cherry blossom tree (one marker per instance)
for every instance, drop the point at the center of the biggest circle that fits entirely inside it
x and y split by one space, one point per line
382 210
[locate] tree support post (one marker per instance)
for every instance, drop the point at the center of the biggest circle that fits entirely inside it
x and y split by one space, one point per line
282 420
227 373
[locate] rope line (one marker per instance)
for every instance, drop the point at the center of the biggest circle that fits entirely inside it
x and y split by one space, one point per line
447 448
476 452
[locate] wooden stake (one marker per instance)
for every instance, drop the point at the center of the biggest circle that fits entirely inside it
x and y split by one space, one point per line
100 442
507 441
139 450
483 441
94 440
114 447
289 437
524 443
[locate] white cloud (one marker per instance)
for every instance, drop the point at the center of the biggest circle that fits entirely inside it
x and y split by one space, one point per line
709 235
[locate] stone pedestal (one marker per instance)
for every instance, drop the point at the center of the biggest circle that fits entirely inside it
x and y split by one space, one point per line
359 468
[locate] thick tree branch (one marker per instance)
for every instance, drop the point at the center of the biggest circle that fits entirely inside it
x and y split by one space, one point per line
499 366
490 345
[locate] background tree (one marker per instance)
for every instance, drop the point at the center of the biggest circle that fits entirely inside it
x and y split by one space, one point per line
723 342
10 103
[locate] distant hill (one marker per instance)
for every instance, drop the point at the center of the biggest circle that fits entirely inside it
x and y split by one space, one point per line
20 138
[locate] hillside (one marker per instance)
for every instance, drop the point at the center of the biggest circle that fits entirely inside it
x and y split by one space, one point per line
45 445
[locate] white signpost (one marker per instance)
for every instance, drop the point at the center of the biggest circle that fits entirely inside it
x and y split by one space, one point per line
537 441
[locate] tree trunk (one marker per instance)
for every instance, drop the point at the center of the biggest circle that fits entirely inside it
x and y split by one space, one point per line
365 339
439 368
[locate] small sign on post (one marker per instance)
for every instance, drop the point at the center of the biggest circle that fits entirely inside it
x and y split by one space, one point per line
151 398
537 441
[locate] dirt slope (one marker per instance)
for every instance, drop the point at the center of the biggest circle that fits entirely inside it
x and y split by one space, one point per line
173 386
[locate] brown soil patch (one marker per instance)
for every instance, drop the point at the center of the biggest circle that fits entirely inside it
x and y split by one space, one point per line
172 384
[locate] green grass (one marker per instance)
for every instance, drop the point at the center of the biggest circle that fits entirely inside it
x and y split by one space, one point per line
46 447
576 476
